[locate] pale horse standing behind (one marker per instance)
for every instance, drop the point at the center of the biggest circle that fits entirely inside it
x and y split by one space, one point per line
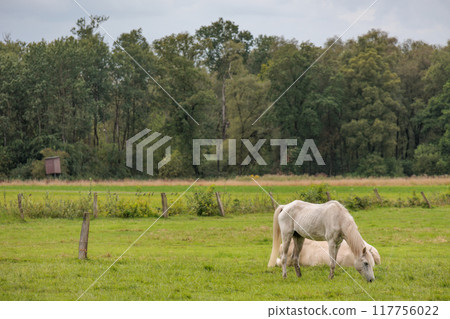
315 253
329 222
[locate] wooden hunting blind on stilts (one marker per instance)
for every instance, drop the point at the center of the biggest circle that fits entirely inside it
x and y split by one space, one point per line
53 166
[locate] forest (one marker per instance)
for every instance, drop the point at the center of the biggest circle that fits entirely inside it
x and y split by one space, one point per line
372 105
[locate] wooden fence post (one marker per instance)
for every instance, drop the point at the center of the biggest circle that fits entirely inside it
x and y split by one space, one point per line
164 205
84 237
95 206
19 201
328 196
426 200
274 204
377 195
219 203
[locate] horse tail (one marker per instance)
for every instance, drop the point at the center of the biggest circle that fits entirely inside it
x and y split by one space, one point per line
276 237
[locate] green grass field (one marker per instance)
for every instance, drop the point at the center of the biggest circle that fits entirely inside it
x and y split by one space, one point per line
187 257
71 191
250 196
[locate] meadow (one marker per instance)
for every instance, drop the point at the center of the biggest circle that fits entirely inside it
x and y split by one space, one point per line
190 257
241 195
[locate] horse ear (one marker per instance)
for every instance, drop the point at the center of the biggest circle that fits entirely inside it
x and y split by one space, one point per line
364 251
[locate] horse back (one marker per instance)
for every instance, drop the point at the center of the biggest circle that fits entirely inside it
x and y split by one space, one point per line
313 221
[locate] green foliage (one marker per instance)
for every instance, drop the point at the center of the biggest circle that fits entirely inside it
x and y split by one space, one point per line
315 194
53 207
203 202
245 204
69 201
214 38
372 117
177 208
428 160
394 167
414 200
38 166
175 168
358 203
373 106
372 165
136 208
5 162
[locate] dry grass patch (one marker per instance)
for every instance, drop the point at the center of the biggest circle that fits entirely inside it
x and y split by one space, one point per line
266 180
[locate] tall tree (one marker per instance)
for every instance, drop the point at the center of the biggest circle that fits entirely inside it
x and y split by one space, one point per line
192 88
436 85
246 96
95 65
371 93
222 42
414 61
132 98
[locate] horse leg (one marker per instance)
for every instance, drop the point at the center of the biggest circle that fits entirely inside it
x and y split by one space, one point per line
333 248
298 244
284 251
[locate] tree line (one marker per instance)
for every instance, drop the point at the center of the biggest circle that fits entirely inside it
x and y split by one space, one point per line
372 105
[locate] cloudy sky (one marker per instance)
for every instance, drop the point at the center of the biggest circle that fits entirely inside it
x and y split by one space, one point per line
313 20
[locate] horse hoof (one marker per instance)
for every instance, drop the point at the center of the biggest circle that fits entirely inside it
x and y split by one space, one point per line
331 276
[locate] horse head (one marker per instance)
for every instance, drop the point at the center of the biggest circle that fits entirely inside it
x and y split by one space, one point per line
364 265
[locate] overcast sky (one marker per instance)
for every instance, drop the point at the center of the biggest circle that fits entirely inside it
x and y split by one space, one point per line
313 20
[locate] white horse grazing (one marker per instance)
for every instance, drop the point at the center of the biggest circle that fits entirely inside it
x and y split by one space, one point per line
330 222
316 253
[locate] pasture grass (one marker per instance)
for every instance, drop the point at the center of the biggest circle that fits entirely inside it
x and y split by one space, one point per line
212 258
242 198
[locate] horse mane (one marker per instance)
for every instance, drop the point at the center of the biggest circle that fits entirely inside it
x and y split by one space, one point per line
352 235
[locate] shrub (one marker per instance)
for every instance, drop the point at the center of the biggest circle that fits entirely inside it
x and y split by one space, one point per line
130 209
428 160
246 205
177 208
358 203
372 165
175 168
109 207
203 202
315 194
394 167
22 171
38 166
54 208
414 200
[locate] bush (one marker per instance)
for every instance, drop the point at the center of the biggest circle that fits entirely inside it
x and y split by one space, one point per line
247 205
204 203
130 209
5 162
428 160
38 166
177 208
394 167
372 165
54 208
22 171
315 194
175 168
358 203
